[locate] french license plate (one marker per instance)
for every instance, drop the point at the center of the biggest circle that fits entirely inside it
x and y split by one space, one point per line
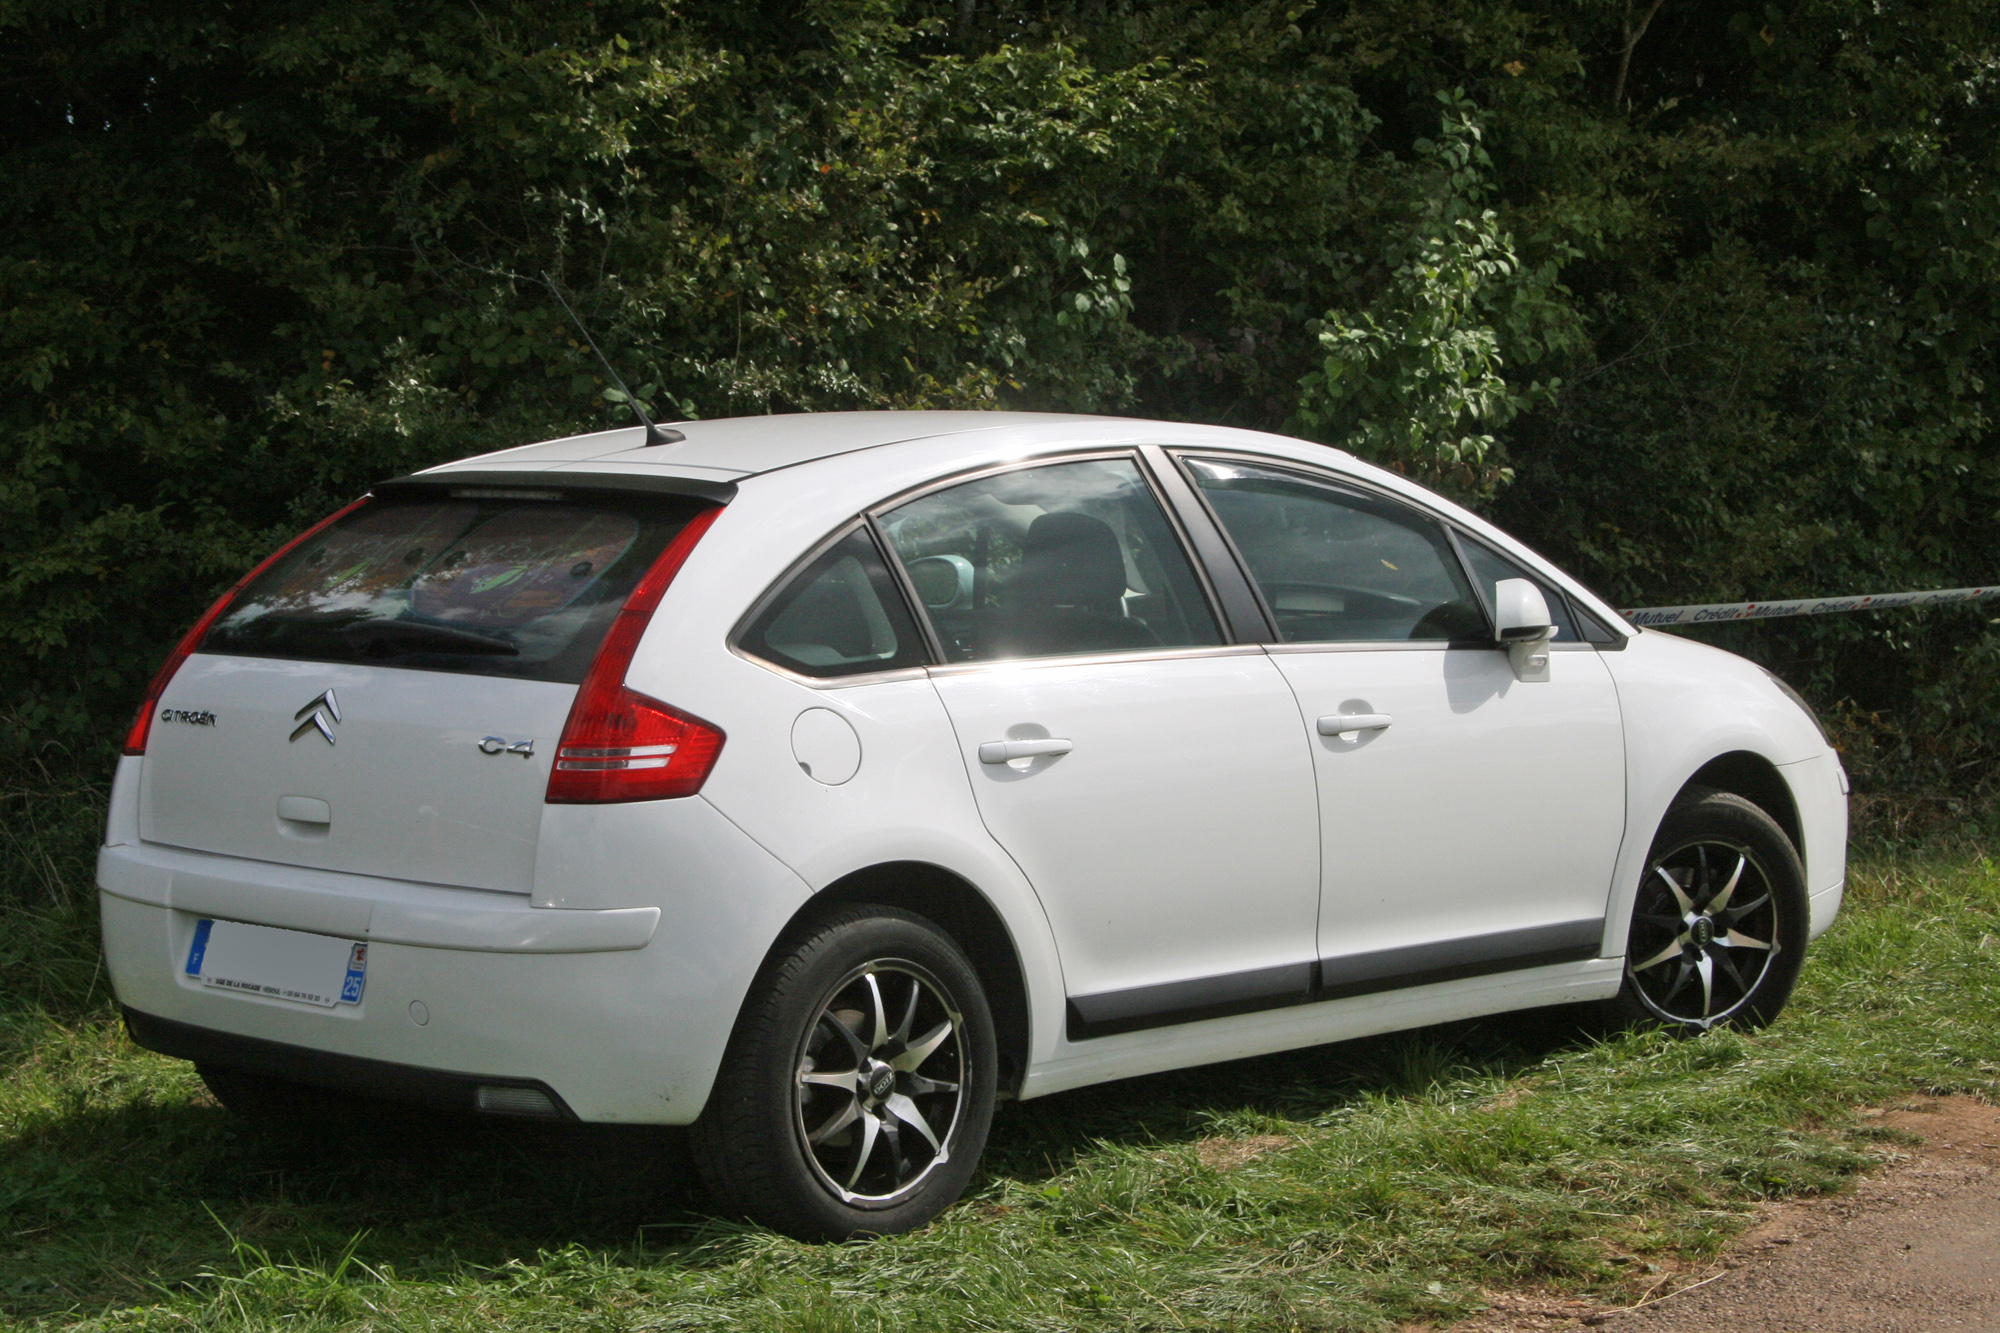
282 964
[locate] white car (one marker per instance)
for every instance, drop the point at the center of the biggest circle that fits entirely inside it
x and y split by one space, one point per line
818 781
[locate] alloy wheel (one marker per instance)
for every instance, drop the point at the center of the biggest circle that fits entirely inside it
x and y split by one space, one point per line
881 1083
1705 931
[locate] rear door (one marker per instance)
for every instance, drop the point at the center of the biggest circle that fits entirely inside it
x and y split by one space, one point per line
386 700
1150 780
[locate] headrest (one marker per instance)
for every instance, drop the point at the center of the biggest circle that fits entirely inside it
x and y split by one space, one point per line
1070 560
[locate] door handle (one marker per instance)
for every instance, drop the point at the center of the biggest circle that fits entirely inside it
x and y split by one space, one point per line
1336 723
1004 752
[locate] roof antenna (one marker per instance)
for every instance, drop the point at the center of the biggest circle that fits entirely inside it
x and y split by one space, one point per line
655 435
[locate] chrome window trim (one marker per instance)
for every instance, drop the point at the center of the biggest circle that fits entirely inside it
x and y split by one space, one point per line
1312 472
1379 645
1059 454
834 682
1099 659
1412 646
899 572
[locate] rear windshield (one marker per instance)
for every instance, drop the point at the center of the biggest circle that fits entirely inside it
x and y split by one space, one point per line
500 585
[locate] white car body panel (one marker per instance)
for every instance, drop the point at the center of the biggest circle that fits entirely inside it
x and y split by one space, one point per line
410 793
1819 789
362 907
1176 841
661 912
1537 767
907 802
1686 704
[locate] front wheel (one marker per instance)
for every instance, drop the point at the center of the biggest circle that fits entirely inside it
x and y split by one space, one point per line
1719 922
859 1084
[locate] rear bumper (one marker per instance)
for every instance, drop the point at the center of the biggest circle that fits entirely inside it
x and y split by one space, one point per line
363 907
621 1013
446 1090
598 1029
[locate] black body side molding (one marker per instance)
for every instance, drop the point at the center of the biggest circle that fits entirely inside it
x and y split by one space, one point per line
1110 1012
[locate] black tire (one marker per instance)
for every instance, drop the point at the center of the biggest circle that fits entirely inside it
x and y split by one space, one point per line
258 1097
865 1038
1719 922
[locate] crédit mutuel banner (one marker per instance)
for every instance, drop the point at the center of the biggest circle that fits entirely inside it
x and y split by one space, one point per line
1802 606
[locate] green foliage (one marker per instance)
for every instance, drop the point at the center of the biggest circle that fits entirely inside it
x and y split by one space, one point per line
1405 382
256 260
1731 335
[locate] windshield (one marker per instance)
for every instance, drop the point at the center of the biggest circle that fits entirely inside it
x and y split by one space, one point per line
495 586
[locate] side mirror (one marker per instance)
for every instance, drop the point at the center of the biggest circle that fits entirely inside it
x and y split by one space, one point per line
1522 624
943 581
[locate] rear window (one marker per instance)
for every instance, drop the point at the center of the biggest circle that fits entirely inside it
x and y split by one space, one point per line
499 585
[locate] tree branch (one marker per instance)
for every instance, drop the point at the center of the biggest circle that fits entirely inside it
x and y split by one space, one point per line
1632 36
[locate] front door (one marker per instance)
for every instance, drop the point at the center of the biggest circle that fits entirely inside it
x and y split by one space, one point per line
1150 781
1469 820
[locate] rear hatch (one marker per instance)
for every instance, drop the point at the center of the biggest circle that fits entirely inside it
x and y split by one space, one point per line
386 699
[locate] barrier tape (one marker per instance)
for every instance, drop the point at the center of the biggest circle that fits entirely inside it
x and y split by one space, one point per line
1802 606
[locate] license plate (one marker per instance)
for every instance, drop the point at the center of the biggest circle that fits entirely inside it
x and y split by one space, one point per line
281 964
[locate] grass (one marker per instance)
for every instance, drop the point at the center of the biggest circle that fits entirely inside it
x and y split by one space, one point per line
1355 1186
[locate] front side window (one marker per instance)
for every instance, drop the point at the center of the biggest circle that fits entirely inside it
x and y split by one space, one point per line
497 586
1046 561
840 616
1340 566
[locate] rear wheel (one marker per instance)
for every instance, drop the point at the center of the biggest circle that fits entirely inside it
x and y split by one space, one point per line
1719 922
858 1087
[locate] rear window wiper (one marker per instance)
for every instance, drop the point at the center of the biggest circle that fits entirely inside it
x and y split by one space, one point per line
385 637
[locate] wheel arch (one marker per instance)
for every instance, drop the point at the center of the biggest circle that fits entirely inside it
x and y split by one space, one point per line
1758 781
962 912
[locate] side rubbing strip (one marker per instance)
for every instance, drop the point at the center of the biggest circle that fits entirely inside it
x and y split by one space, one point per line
1108 1012
1448 960
1184 1001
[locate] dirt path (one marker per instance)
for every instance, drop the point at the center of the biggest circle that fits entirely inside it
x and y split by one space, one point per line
1914 1248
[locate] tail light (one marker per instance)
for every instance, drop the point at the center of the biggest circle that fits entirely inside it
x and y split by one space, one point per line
618 744
142 725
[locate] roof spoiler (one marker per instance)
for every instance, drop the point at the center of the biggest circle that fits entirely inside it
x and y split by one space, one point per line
720 492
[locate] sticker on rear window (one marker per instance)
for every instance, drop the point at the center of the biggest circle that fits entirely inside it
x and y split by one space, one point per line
486 586
521 565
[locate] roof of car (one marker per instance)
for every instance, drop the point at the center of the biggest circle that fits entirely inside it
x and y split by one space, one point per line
713 456
744 446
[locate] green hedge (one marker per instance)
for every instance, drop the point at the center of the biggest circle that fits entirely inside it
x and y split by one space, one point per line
1711 321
